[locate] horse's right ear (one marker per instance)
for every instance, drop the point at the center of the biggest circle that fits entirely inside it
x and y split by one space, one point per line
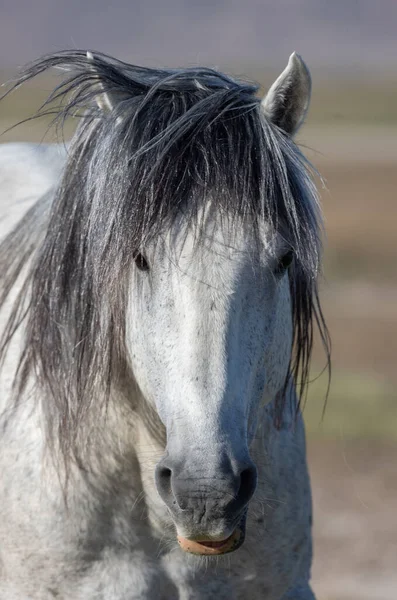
105 100
287 101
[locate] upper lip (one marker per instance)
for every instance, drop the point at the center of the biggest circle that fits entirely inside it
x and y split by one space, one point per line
196 536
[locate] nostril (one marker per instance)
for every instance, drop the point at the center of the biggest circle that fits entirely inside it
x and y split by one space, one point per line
166 484
248 478
163 481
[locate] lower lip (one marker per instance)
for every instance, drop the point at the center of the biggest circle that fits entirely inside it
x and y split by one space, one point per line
211 548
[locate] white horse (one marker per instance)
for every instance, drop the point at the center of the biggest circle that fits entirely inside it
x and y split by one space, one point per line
158 302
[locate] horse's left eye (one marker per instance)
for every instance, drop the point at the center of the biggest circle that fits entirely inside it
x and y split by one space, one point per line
284 262
141 262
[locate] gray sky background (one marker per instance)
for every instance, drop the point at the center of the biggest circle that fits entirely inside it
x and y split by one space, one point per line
348 34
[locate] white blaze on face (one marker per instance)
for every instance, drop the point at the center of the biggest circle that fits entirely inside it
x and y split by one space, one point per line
209 332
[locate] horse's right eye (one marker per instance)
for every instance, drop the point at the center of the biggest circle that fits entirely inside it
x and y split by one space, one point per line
141 262
284 262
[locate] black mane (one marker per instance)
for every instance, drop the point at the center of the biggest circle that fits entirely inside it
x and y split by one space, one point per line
174 138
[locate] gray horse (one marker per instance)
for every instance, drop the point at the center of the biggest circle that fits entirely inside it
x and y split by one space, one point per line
158 301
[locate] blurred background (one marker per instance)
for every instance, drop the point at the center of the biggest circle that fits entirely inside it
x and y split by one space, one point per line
351 137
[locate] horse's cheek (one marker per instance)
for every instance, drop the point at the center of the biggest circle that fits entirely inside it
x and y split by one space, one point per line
280 342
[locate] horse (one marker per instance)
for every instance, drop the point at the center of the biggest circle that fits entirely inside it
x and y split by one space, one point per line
159 299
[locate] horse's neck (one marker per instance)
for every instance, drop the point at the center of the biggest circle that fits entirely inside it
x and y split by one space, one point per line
27 172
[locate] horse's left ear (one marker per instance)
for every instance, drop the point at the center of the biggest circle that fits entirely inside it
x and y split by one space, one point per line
105 100
287 101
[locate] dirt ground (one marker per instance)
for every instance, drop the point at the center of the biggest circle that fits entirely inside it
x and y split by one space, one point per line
355 522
